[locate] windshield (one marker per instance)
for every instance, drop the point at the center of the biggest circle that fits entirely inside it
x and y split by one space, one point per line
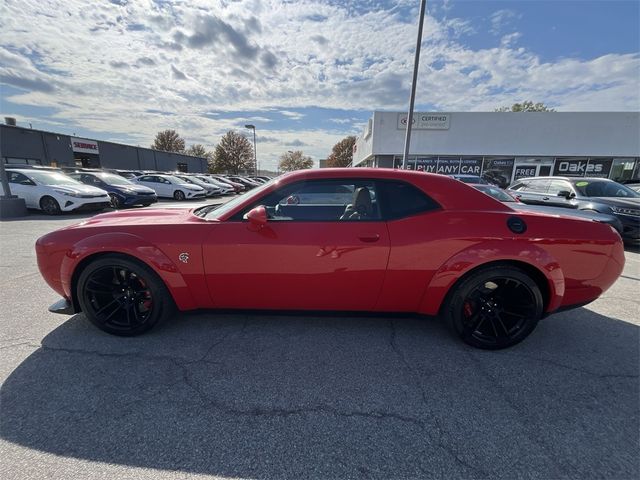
221 210
112 179
173 179
52 178
603 188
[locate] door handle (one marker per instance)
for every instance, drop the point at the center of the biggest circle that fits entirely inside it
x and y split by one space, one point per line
545 198
369 237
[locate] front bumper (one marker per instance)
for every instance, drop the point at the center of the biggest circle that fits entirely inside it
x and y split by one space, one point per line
630 229
90 207
63 307
133 200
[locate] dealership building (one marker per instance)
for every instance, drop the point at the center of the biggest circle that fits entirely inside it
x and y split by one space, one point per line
505 146
20 146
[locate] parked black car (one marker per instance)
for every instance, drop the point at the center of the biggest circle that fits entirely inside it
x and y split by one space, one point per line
502 196
584 193
122 192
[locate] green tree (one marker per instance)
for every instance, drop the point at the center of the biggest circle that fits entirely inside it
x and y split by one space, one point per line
233 154
342 153
168 141
291 161
526 106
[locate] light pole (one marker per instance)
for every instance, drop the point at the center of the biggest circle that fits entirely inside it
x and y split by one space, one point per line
412 98
255 154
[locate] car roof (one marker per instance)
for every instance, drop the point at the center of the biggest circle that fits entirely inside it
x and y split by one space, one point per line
568 179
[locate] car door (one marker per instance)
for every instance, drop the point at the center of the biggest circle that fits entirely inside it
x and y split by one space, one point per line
307 256
25 188
534 192
557 186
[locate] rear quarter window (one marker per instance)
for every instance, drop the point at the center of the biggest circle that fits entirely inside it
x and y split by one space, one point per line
401 199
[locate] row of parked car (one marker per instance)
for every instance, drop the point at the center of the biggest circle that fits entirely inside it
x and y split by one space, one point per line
598 199
54 190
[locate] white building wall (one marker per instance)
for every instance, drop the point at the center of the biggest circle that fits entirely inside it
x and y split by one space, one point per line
608 134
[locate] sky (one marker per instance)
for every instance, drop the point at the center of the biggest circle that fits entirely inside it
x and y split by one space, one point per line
306 73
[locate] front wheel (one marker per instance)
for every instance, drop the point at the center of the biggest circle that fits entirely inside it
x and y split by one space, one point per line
122 296
115 201
179 195
494 307
50 205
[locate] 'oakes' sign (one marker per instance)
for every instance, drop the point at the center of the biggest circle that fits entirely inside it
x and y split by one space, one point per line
582 168
82 145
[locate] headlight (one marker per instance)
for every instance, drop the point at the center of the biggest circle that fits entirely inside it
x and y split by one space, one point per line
67 194
634 212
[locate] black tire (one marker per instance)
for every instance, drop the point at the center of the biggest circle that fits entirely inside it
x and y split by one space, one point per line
122 296
494 307
115 201
50 205
179 195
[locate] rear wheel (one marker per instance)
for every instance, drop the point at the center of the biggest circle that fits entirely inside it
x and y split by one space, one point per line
179 195
494 308
122 296
50 205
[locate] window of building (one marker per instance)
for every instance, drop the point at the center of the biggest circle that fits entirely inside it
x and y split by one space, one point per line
183 167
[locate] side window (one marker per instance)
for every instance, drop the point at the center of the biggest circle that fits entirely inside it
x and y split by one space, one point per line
322 201
538 186
557 186
145 178
16 177
520 186
401 199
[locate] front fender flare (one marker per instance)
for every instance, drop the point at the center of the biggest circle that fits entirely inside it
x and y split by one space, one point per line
490 252
136 247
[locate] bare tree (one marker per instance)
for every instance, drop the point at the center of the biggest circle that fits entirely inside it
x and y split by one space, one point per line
342 153
526 106
168 141
197 150
291 161
233 154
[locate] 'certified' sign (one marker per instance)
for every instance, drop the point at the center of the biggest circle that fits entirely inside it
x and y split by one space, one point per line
425 121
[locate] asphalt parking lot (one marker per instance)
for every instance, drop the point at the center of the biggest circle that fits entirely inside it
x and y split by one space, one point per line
300 397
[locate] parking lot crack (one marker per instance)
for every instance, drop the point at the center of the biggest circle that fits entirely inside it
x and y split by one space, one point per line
442 435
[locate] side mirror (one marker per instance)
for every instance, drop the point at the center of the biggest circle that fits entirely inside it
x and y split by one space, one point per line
566 194
257 217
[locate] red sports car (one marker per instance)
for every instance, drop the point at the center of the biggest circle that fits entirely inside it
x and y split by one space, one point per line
339 240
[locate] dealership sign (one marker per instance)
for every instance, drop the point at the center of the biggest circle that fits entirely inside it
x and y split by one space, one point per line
583 168
425 121
82 145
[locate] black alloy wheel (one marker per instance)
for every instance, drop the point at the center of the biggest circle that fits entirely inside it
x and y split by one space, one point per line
50 205
115 201
121 296
179 195
495 308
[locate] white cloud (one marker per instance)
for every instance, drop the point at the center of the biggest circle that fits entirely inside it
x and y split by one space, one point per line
115 68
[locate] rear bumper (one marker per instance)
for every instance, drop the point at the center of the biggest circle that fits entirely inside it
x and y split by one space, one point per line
63 307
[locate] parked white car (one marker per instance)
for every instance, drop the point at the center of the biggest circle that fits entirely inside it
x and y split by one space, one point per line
168 186
211 190
225 188
54 192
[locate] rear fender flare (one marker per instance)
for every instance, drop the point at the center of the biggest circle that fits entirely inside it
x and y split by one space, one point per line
491 252
133 246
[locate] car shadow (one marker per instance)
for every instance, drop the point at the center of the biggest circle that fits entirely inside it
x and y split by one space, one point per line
268 396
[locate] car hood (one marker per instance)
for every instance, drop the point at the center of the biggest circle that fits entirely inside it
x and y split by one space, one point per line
79 189
616 201
132 218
